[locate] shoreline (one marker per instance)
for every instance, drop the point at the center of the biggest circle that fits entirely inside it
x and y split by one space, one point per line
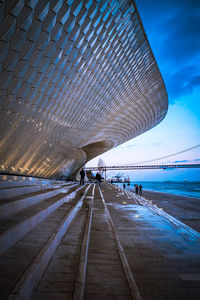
169 194
175 191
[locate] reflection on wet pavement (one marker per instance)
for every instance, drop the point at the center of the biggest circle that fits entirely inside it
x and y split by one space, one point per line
164 253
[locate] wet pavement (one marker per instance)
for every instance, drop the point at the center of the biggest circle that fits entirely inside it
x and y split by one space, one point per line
133 247
185 209
164 257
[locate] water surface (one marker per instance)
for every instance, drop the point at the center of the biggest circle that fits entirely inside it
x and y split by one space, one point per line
188 189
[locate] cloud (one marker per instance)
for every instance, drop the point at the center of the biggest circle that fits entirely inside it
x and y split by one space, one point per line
134 145
181 49
182 42
180 161
186 160
173 30
182 82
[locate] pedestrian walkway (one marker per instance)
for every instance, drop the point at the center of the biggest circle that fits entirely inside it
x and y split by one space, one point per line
65 241
164 259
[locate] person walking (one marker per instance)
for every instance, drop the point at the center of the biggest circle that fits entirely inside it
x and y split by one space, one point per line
82 174
140 190
136 189
98 177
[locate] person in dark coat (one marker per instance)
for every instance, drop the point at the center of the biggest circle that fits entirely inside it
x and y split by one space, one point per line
140 189
98 177
136 189
82 174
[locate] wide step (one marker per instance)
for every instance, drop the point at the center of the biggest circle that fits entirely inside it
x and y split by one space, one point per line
86 265
14 204
37 245
64 246
15 227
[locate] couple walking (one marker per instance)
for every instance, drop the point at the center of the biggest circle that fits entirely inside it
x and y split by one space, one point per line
138 189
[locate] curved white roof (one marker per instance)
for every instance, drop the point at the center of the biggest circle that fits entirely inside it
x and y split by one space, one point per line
77 78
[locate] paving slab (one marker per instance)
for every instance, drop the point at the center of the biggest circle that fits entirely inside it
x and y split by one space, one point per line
164 259
158 252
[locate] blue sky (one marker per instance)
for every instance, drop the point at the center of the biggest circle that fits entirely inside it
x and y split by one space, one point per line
173 31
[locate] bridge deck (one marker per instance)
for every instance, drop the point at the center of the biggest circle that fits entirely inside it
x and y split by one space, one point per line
135 167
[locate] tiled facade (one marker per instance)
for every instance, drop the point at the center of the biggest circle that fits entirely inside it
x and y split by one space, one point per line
76 79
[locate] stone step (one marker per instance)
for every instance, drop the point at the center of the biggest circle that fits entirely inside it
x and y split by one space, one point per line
86 261
9 192
15 227
7 181
31 255
15 183
11 181
12 205
62 270
23 187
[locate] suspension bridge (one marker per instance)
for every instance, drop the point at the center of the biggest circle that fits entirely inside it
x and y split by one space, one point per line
138 167
142 165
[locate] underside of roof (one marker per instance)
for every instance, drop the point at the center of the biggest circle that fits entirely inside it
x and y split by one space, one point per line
77 78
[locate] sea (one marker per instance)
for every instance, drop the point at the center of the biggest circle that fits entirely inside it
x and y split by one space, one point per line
186 188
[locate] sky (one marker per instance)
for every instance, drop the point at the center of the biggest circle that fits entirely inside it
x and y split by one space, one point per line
173 31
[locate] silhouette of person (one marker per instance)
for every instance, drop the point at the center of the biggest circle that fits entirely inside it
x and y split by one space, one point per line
136 189
82 174
98 177
124 185
140 189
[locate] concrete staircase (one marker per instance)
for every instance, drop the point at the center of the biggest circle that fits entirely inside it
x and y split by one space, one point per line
34 216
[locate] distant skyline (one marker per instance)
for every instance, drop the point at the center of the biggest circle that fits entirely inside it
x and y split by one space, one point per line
173 30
